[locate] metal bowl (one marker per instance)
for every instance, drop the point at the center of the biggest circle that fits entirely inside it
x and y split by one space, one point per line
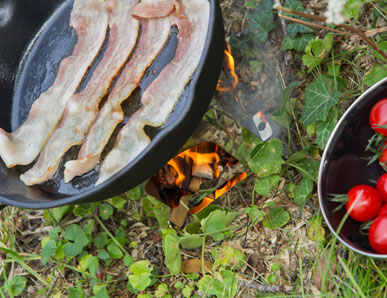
344 165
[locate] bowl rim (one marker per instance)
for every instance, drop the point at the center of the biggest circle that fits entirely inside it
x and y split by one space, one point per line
323 163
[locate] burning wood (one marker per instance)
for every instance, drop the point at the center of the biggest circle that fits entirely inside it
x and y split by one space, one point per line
229 72
185 174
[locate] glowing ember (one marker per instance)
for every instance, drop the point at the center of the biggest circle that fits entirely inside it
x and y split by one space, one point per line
230 72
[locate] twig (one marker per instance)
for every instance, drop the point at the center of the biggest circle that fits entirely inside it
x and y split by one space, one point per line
309 24
323 19
284 32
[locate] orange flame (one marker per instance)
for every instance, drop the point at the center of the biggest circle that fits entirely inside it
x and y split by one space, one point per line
262 116
207 200
231 70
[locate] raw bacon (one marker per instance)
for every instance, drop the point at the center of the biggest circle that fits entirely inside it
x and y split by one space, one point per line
161 96
82 108
89 19
154 34
154 10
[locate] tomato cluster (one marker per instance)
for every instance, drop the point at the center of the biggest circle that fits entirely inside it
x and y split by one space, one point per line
365 203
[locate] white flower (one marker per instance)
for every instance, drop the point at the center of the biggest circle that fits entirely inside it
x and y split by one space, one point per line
334 13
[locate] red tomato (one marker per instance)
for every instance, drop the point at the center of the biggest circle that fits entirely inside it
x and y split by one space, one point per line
364 202
377 235
378 117
383 159
381 187
383 211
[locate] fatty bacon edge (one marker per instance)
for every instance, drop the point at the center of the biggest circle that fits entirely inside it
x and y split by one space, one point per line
82 108
161 96
89 20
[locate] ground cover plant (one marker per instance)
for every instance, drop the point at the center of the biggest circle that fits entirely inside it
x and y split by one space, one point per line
264 238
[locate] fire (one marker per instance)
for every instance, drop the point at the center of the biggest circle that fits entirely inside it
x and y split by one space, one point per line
262 116
184 174
230 71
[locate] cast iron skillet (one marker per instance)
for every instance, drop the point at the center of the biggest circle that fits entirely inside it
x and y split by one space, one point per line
34 37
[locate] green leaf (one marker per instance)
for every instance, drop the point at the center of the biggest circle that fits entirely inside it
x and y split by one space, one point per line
325 129
172 251
161 212
230 257
140 277
316 50
128 260
59 212
115 252
216 229
231 283
162 289
254 214
303 192
276 218
287 104
77 240
375 75
265 184
103 254
75 293
191 241
88 227
315 231
105 211
218 216
135 193
293 29
268 160
287 43
100 240
17 284
48 250
93 265
187 291
117 202
261 21
301 42
255 66
319 99
311 166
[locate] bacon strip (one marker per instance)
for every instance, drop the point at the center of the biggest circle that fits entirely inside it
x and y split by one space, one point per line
154 10
154 34
89 19
82 108
161 96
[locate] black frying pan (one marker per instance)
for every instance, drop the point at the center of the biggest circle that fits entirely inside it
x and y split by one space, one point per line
35 31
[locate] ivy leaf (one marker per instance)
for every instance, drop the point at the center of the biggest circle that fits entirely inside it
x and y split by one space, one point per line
311 166
375 75
301 42
325 128
268 159
75 293
303 192
265 184
293 29
283 115
117 202
103 255
276 218
261 21
172 251
287 43
319 99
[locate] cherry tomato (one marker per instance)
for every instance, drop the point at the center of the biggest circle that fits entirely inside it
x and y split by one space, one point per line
364 202
377 235
383 211
378 117
383 159
381 187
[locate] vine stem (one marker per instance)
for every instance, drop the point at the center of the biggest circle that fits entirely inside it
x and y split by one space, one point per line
344 26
